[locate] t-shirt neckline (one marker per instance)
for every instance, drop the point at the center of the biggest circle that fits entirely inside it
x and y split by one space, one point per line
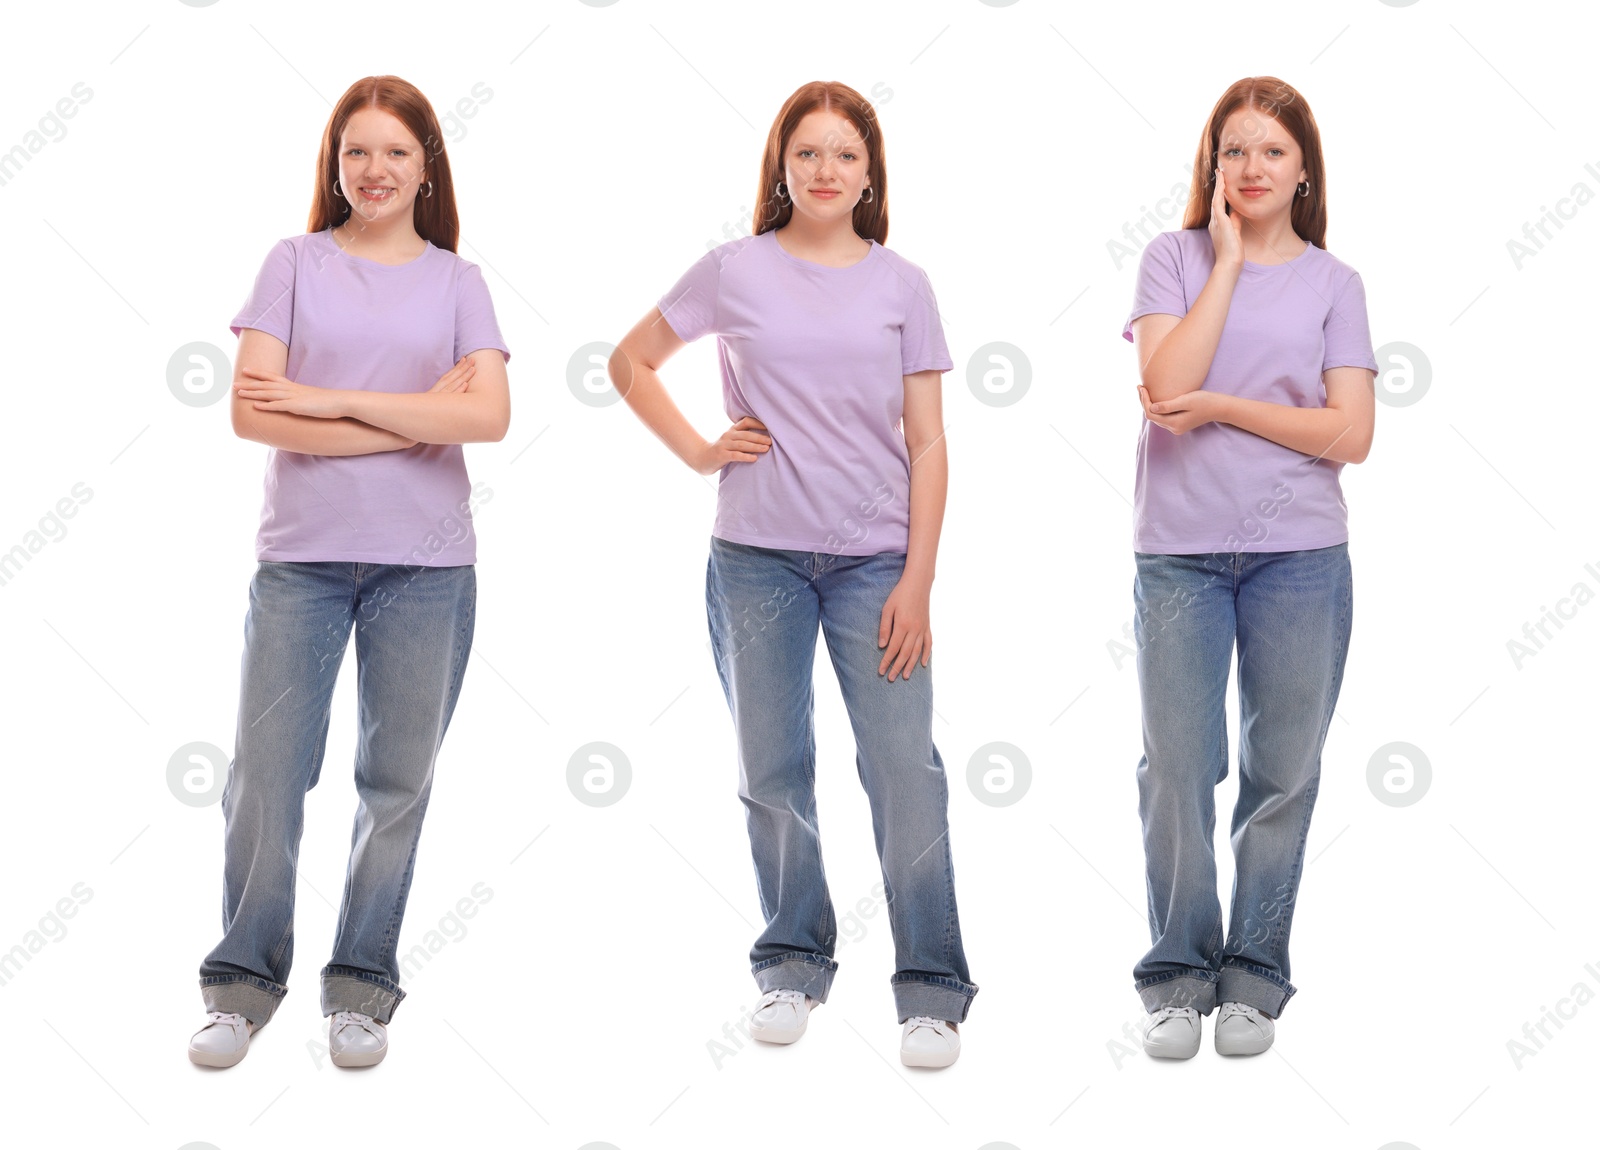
824 267
327 233
1306 251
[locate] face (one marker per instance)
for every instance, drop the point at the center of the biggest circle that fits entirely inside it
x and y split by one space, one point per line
825 166
381 166
1260 162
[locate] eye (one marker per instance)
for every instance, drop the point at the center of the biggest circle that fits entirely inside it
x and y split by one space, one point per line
805 152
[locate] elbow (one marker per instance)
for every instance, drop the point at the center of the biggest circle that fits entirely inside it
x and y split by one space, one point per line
499 425
244 423
1361 448
621 366
1158 386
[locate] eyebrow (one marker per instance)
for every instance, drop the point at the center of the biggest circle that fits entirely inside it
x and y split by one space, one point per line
362 144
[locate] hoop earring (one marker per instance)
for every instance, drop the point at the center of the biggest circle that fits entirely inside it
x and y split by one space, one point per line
866 196
336 190
781 192
427 194
1303 188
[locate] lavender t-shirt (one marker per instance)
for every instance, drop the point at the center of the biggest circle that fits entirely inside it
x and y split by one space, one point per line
1220 488
817 354
353 323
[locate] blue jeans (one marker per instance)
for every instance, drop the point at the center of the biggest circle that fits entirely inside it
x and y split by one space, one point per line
1289 613
413 628
763 607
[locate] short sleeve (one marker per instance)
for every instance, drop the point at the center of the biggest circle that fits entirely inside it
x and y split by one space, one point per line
922 346
476 326
1159 285
1346 341
270 307
690 306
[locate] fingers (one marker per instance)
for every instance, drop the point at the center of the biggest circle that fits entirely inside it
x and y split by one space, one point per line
456 378
905 644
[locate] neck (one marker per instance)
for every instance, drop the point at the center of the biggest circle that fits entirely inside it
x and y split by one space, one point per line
837 237
397 235
1272 240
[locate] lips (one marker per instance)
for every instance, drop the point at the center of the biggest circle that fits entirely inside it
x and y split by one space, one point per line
824 193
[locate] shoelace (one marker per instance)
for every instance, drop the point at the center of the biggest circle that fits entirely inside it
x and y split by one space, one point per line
938 1025
1157 1017
355 1018
1229 1009
225 1018
791 997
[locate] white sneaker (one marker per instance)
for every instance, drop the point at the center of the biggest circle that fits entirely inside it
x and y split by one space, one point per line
1172 1032
356 1039
222 1041
780 1016
1242 1029
928 1041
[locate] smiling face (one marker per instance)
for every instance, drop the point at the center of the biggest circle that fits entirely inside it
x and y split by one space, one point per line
825 166
1261 164
381 166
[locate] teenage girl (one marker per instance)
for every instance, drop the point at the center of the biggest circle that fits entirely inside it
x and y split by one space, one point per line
829 507
366 525
1256 377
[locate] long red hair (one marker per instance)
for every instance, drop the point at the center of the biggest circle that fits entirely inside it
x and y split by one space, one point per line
871 218
1271 97
433 215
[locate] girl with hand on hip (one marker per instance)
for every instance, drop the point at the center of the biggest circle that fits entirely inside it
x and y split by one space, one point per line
366 526
829 508
1256 378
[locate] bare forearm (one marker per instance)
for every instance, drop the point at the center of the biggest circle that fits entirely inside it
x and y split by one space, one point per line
1321 432
309 435
644 392
1183 359
432 416
930 475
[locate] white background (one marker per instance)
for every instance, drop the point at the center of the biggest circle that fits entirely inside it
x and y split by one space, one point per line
578 1005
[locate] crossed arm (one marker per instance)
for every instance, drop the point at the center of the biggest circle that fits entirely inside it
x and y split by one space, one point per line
1174 358
471 403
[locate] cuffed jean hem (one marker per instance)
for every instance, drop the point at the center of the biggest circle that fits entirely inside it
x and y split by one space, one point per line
810 974
944 998
1253 986
346 988
255 998
1196 990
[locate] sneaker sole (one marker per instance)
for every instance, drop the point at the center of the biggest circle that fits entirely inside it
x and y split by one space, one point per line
365 1058
776 1037
1177 1053
1231 1048
929 1058
217 1060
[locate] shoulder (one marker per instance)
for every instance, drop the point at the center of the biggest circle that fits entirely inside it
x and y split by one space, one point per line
1184 244
897 261
295 247
453 265
742 247
911 276
1331 266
